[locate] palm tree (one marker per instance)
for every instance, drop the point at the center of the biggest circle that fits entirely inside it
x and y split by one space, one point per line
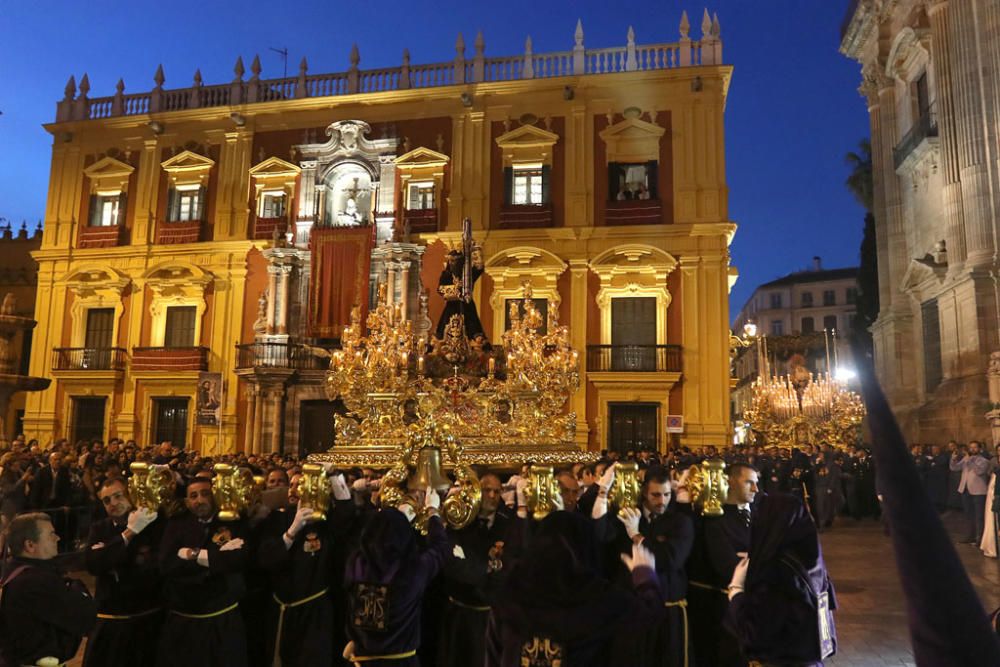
861 184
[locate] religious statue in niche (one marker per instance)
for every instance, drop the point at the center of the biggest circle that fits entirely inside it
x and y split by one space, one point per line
461 271
349 204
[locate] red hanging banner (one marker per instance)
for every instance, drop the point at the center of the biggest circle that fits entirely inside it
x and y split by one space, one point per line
341 261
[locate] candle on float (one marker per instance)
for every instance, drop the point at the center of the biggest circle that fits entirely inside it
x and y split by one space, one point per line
492 366
420 365
404 358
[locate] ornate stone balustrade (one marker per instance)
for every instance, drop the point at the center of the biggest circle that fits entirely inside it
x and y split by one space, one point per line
76 105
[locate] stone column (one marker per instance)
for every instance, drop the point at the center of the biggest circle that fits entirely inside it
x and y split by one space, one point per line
277 415
231 212
390 282
248 437
579 303
147 187
285 278
695 376
404 288
951 182
273 296
258 415
892 212
966 69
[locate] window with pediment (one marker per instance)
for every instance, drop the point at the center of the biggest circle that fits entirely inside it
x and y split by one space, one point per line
527 165
188 174
108 178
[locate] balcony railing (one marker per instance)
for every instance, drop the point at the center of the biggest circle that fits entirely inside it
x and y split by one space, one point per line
421 221
278 355
926 126
88 359
525 216
169 358
633 212
634 358
631 57
264 228
170 232
100 236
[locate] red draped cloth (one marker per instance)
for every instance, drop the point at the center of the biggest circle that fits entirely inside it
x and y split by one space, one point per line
341 260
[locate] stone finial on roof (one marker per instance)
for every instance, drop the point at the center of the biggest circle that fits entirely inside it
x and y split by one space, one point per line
84 86
460 46
355 56
479 44
706 25
685 27
300 85
255 68
578 33
529 62
158 78
238 69
70 89
716 28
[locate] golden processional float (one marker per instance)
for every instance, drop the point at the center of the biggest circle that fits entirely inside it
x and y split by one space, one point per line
418 405
802 407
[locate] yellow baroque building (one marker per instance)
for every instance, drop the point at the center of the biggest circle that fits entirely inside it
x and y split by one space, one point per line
197 248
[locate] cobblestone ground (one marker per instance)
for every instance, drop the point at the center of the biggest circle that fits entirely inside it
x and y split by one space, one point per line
871 620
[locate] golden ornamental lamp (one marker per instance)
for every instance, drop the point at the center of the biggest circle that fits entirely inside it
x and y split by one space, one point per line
150 486
314 490
709 486
541 491
625 489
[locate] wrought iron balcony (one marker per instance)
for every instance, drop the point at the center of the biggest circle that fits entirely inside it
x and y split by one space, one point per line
88 359
926 126
634 358
292 356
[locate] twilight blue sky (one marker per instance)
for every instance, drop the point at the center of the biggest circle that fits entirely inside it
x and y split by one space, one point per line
793 109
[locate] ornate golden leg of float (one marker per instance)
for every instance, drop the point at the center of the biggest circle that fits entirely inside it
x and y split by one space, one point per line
541 492
625 490
314 490
709 486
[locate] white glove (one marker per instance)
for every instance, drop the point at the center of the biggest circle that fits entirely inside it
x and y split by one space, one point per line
739 577
458 552
408 511
138 519
608 478
302 515
232 545
630 517
360 485
641 557
522 484
338 487
557 501
328 468
187 553
431 499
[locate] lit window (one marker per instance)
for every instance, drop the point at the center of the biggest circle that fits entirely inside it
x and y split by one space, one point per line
421 196
631 180
528 184
106 209
272 205
186 203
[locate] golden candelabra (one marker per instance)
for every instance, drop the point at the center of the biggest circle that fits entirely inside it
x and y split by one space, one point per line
505 404
801 408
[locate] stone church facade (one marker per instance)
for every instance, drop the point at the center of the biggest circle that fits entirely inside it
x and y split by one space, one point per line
931 79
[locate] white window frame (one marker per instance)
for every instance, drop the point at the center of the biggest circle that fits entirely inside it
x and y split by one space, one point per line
189 194
272 194
425 188
527 189
108 203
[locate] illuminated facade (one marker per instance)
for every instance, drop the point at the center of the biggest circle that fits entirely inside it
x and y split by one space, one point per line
929 70
186 230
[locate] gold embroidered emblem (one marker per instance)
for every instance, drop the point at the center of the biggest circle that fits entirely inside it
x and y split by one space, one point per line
371 606
541 652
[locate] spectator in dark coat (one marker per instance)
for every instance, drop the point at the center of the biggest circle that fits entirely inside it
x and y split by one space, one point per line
781 600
